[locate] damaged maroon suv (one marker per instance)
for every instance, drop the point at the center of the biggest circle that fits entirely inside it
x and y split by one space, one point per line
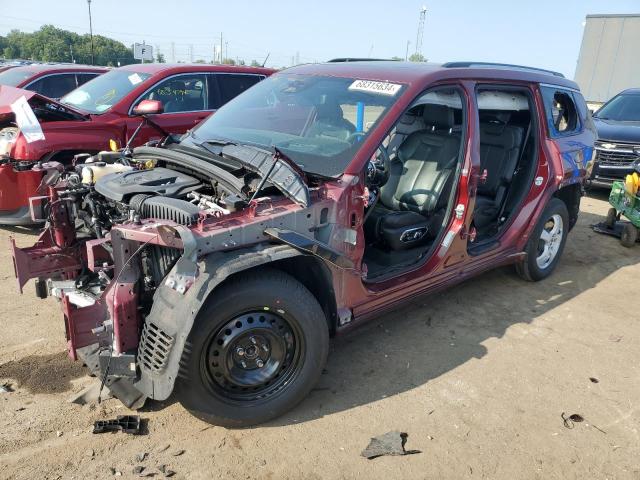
217 267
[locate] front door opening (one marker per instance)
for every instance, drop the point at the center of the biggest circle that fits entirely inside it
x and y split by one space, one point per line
421 160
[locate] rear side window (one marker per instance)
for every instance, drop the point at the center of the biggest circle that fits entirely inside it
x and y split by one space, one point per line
561 112
232 85
54 86
85 77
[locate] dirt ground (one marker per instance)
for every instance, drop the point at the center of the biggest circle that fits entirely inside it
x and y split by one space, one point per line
478 377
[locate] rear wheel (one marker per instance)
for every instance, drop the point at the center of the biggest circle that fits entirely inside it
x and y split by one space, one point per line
546 243
612 217
629 235
256 350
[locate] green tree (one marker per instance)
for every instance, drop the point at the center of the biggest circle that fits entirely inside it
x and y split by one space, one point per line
417 57
160 58
228 61
254 63
51 44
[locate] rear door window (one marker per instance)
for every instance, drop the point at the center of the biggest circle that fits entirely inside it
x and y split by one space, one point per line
180 93
54 86
83 78
231 85
561 112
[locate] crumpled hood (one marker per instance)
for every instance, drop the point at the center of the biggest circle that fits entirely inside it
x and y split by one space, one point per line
8 95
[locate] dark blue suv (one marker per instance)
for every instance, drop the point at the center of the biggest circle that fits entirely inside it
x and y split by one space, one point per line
618 144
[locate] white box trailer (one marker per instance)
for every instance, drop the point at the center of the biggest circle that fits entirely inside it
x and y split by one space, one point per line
609 60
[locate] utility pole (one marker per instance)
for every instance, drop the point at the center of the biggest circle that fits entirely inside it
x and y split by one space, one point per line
226 50
71 51
90 31
221 47
406 53
423 16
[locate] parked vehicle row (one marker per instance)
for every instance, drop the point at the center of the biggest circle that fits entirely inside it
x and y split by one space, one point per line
102 110
215 266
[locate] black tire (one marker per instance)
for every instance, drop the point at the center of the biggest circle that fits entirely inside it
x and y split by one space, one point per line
529 269
612 218
210 390
629 236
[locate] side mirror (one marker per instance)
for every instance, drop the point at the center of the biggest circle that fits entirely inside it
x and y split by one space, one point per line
148 107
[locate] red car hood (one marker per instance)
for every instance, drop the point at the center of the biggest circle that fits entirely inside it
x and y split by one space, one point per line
8 95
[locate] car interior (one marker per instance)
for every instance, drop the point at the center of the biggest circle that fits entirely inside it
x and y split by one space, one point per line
409 211
507 159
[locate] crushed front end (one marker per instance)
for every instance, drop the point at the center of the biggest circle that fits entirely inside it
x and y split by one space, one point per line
132 247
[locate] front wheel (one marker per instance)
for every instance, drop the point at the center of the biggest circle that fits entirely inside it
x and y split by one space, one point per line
256 349
546 243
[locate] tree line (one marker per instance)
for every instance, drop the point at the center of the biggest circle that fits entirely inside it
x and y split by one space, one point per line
51 44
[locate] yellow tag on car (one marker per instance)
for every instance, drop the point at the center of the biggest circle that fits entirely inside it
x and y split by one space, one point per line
113 145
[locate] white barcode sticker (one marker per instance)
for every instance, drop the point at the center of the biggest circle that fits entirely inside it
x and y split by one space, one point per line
382 88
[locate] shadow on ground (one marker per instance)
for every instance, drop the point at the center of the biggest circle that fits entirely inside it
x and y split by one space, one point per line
435 334
42 373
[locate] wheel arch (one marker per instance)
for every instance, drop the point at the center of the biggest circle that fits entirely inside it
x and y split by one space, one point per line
570 195
173 315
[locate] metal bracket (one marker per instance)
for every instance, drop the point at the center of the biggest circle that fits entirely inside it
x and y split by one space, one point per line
185 271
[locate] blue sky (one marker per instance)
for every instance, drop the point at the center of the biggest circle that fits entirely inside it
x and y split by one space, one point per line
542 33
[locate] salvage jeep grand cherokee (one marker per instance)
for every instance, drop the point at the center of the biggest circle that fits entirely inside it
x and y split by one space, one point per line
218 267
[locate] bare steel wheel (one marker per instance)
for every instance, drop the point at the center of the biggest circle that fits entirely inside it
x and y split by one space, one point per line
256 349
252 356
546 242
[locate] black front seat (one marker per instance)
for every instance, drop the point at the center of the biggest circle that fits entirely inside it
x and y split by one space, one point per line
411 204
500 146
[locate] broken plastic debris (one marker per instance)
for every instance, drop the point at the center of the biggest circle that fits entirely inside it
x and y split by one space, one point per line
391 443
126 423
6 388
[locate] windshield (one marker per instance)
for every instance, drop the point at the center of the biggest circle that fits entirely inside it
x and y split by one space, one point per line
318 122
623 108
103 92
14 76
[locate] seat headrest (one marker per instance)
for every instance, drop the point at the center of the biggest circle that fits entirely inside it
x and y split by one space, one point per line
329 111
439 116
494 123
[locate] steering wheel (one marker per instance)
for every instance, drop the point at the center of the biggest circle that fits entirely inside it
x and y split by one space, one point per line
355 135
378 172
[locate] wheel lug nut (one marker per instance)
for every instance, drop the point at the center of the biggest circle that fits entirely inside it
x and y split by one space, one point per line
265 347
260 363
240 351
244 364
253 340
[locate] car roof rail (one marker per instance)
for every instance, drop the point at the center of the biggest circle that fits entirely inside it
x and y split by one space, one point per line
355 59
500 65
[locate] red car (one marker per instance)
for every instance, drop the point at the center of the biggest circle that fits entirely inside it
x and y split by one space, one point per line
85 120
217 267
53 81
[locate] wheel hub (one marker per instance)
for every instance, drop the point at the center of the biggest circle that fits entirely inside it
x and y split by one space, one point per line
251 355
550 241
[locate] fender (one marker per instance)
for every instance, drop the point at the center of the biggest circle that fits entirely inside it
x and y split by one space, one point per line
166 328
